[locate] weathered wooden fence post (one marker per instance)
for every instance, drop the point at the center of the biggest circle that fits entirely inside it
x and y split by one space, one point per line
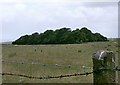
104 59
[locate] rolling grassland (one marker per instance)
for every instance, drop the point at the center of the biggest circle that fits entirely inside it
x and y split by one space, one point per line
52 60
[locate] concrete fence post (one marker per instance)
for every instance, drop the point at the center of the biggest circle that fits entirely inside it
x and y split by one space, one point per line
104 59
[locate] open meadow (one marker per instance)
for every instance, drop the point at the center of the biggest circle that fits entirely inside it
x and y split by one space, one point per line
52 60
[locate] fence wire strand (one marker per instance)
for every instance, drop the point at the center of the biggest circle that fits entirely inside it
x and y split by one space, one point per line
37 63
48 77
61 76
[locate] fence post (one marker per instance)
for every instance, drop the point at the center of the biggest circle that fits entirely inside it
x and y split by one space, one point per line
104 59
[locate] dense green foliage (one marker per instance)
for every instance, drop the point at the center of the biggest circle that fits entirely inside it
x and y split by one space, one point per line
60 36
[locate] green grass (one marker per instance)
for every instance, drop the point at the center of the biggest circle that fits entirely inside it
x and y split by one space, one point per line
70 54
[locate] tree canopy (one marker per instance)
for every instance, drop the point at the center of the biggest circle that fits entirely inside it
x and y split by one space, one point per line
61 36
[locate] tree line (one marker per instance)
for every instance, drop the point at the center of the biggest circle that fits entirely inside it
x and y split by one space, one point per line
61 36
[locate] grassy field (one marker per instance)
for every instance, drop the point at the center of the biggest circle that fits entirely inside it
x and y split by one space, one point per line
73 55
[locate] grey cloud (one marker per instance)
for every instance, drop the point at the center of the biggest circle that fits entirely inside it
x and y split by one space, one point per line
98 17
100 4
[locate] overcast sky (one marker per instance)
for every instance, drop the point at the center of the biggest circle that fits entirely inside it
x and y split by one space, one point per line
20 17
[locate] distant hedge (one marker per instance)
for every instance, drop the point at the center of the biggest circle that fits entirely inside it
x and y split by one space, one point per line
61 36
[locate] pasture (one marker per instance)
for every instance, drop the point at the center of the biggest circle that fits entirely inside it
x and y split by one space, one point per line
52 60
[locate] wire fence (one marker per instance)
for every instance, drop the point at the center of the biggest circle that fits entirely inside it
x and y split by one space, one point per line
103 68
61 76
55 76
47 77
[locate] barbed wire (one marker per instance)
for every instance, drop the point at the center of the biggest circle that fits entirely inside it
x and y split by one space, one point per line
37 63
48 77
112 69
61 76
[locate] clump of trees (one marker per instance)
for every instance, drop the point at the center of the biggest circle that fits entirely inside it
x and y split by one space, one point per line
61 36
